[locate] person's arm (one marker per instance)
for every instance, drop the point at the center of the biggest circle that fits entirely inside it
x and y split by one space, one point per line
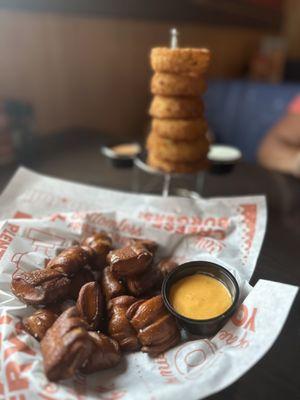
280 149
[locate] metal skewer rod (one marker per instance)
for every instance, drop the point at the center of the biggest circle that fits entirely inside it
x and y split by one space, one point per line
166 185
174 38
167 177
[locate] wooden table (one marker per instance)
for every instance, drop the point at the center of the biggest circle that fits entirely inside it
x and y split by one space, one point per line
277 375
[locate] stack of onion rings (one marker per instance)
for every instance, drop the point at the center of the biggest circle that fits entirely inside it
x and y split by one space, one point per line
166 84
179 129
177 141
179 151
178 167
180 60
176 107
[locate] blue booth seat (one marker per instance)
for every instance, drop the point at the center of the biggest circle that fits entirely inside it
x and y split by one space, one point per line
240 112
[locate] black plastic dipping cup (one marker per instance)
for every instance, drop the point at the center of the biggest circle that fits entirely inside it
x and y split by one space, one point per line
203 327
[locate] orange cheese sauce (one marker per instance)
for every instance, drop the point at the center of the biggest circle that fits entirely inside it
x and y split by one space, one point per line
200 296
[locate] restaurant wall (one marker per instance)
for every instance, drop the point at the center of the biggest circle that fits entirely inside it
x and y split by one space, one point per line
94 73
291 28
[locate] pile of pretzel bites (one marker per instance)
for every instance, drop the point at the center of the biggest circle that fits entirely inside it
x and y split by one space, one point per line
177 141
94 302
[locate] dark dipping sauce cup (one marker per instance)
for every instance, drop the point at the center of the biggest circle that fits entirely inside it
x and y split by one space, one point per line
202 327
120 160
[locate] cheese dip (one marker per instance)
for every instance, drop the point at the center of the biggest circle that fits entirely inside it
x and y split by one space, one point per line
200 296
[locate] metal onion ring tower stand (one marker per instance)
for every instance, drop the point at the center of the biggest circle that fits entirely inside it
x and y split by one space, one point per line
167 179
140 163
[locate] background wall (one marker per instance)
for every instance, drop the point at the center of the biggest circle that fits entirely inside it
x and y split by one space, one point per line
94 73
291 27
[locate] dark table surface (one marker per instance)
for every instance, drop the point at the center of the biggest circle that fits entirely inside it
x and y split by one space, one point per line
277 374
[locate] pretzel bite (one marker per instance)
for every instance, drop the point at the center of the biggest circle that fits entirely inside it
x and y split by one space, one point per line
176 107
144 283
179 129
90 305
150 245
156 329
168 150
165 266
99 246
77 281
66 346
129 261
39 322
177 167
119 327
105 353
41 286
70 261
177 85
180 60
112 286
